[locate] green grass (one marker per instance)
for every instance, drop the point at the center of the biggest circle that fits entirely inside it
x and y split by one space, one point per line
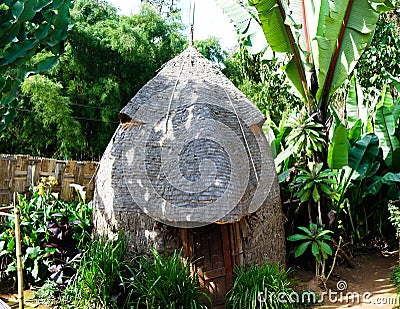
260 287
100 273
164 282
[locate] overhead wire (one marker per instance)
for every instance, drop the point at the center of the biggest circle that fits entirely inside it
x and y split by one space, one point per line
75 117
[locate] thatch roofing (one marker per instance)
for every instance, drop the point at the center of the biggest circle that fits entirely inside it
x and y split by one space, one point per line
190 150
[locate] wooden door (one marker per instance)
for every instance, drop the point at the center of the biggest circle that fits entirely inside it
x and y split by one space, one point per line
210 249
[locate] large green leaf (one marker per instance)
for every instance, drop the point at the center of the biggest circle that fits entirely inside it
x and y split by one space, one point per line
246 26
297 237
295 80
273 24
282 36
355 108
345 33
325 247
315 249
301 249
337 151
363 154
385 127
355 132
27 28
387 179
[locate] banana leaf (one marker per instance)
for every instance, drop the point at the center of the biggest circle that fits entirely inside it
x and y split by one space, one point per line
281 32
342 37
246 25
385 127
363 155
337 151
321 37
355 109
388 179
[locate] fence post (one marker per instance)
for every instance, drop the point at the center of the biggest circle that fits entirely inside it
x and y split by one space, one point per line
20 280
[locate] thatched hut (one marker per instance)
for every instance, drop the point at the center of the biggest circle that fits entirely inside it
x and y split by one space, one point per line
189 167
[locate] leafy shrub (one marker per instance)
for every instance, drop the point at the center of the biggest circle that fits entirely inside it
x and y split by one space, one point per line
164 282
40 250
99 274
260 287
395 277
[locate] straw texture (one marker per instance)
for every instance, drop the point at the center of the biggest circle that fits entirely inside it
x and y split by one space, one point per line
189 151
19 172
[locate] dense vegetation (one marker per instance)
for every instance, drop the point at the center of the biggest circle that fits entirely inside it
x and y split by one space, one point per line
107 59
335 138
31 40
336 144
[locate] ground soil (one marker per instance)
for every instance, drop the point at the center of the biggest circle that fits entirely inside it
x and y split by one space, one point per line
365 286
9 295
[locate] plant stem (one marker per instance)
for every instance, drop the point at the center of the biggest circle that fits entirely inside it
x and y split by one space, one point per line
334 259
319 213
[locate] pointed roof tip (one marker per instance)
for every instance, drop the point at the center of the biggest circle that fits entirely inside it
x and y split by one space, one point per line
185 79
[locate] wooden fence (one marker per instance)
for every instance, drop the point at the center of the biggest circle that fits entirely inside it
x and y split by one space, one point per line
18 172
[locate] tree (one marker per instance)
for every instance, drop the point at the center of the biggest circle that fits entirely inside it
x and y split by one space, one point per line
31 39
107 59
48 126
164 7
383 53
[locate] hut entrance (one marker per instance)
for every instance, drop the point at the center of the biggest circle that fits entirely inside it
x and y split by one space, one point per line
214 249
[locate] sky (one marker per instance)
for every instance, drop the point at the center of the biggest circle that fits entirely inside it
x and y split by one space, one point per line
209 20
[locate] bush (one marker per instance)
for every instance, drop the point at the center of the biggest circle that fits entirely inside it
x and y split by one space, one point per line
48 244
259 287
164 282
395 277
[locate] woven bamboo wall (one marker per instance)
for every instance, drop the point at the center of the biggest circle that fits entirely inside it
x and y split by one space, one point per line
18 172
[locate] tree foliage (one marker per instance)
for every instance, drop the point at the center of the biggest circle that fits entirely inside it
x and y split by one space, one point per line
72 110
383 54
262 81
32 33
211 49
164 7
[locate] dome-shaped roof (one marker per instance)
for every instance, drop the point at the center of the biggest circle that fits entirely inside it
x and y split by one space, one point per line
191 150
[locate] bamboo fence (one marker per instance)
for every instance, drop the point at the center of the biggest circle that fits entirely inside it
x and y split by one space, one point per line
18 172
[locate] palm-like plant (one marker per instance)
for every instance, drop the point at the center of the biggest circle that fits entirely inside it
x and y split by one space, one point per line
306 136
317 238
312 183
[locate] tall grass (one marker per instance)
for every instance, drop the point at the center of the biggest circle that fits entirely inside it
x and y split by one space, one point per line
164 282
260 287
97 283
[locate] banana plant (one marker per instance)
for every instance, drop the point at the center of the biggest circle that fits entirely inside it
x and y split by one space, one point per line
323 40
32 33
381 118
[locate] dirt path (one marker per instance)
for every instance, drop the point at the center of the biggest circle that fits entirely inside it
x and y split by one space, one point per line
366 286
